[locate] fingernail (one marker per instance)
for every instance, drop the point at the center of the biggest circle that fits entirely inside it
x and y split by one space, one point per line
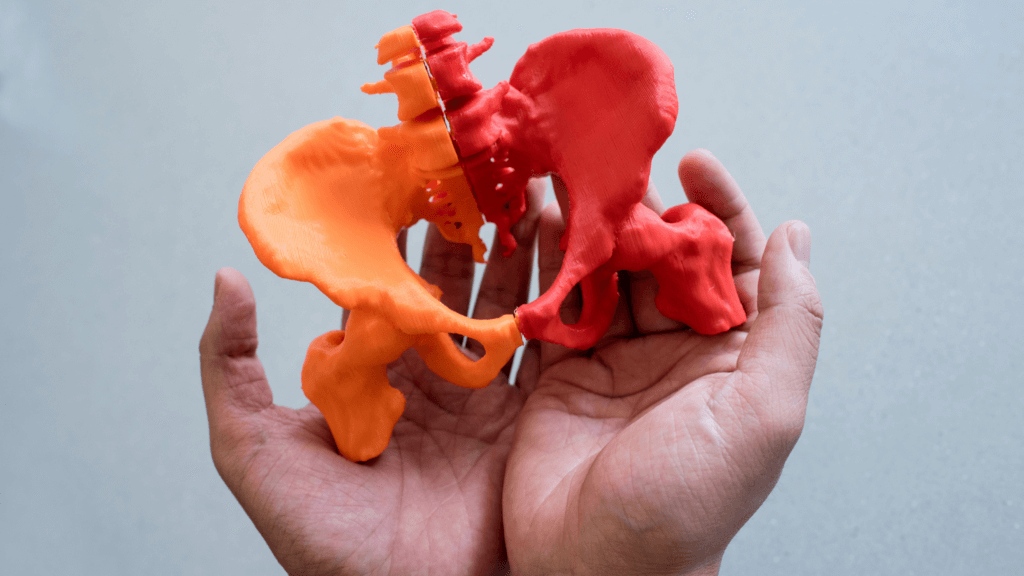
799 236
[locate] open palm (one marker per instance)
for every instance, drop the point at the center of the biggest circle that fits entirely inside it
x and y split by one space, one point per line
644 455
431 503
647 454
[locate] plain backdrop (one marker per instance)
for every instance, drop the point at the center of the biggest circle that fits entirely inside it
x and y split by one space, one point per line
894 128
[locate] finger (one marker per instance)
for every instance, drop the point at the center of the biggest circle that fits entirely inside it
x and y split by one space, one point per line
529 367
549 256
647 319
707 183
777 360
234 384
450 267
653 200
621 325
549 262
561 194
506 281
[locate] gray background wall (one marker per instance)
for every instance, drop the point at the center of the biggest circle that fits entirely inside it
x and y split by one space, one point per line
893 128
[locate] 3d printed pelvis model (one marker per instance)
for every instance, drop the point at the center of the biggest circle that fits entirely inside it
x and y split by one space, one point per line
592 106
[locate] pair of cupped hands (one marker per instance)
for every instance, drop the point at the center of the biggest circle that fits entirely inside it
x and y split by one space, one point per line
643 455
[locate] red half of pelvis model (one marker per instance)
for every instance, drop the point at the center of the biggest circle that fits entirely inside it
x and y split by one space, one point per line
593 107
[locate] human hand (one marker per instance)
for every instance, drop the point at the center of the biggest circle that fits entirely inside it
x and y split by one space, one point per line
647 454
431 503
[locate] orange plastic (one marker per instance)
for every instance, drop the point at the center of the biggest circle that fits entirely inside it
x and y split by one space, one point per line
325 206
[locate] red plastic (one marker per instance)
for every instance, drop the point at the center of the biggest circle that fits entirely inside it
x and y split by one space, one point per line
592 106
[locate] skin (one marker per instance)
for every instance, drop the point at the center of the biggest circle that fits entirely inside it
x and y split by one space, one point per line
644 455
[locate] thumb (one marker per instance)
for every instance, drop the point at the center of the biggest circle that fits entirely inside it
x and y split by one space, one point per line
234 383
779 355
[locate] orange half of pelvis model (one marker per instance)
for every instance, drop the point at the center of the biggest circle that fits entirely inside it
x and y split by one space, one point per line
325 206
